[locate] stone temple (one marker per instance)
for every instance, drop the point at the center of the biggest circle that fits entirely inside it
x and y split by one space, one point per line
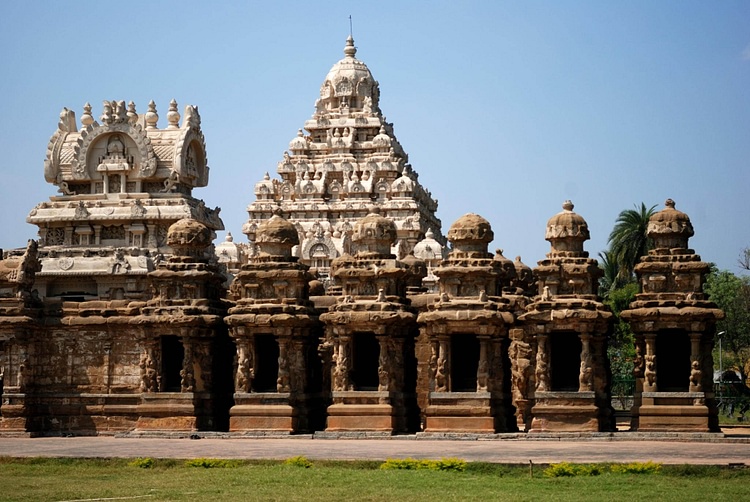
346 313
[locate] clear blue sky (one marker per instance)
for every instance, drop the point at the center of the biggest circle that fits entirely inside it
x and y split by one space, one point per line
505 108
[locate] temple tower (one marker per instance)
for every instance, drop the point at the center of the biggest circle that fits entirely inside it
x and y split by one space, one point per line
275 328
370 333
346 159
560 360
674 325
122 183
466 329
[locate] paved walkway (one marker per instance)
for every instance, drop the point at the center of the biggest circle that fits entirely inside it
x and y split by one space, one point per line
502 451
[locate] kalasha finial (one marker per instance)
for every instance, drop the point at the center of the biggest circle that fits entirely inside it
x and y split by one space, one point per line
152 117
132 114
173 116
567 205
87 119
350 50
669 203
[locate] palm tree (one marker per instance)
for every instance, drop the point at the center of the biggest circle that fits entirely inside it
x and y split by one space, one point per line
628 240
611 279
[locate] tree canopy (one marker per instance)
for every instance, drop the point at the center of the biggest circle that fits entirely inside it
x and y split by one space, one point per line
732 294
628 240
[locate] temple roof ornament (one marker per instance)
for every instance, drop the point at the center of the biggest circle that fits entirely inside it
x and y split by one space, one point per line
670 228
567 231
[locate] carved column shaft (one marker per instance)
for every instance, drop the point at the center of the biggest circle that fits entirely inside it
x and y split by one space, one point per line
483 368
585 377
649 385
696 374
542 364
442 380
282 380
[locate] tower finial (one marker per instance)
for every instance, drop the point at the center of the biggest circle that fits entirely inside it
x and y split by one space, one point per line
351 34
350 51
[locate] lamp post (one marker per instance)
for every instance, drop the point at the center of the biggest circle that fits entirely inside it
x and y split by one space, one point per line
721 366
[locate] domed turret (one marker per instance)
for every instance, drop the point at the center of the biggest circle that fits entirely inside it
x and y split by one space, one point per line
298 146
349 84
567 231
276 236
189 238
428 249
374 234
670 228
470 234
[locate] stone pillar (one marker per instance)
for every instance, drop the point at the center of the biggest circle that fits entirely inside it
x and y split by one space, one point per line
542 364
282 380
342 365
187 374
649 373
433 364
243 380
483 369
442 375
696 374
586 376
383 365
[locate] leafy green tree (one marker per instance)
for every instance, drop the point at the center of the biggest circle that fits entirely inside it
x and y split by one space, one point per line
732 294
611 279
628 240
621 348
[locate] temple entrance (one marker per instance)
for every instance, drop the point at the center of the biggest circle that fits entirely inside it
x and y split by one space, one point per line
672 361
464 363
565 361
266 363
365 358
172 356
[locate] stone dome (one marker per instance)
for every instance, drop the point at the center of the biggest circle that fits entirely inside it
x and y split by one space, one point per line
524 275
264 189
670 228
189 237
229 251
347 75
299 143
374 233
471 233
566 230
428 249
276 236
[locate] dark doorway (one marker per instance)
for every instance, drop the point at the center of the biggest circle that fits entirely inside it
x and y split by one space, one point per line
565 361
172 356
366 361
266 363
672 361
464 363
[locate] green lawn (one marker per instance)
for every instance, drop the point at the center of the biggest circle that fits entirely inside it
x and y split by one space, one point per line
75 479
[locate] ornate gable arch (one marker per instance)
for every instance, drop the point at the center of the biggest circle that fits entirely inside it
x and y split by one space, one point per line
93 132
190 161
65 126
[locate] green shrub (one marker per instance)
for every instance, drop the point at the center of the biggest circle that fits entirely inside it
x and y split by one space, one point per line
444 464
298 461
448 464
143 463
564 469
637 468
208 463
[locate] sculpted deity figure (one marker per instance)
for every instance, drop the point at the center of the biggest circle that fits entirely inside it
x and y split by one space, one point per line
695 377
542 367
